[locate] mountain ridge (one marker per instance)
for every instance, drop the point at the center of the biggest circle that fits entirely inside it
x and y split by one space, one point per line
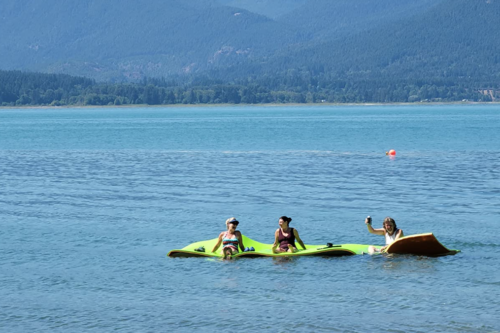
129 40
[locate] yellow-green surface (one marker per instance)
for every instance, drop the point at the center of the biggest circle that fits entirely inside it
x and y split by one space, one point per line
264 250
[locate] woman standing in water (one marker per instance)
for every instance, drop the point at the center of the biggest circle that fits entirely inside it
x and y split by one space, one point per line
230 239
284 237
389 230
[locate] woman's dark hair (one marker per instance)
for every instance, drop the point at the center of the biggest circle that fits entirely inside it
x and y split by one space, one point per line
286 219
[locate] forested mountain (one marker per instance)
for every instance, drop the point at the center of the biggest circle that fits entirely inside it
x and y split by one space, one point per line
324 20
130 39
266 50
455 38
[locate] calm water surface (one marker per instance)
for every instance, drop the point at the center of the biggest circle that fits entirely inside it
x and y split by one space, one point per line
91 200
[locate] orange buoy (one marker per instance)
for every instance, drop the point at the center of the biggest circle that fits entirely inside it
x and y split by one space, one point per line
391 152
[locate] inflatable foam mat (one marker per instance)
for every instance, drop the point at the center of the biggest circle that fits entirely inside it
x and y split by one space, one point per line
422 245
264 250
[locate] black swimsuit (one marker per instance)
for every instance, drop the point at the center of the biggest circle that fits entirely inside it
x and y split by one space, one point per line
286 240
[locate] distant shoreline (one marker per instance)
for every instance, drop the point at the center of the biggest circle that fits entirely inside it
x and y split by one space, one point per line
240 104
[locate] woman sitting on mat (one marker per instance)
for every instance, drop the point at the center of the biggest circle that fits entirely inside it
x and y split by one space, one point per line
230 239
389 230
284 237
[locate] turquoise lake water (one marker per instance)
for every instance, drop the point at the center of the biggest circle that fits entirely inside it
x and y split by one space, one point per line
92 200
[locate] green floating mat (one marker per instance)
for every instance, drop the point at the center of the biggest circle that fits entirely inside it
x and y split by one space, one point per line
264 250
421 244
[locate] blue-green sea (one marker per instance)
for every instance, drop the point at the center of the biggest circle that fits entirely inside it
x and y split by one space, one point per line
92 200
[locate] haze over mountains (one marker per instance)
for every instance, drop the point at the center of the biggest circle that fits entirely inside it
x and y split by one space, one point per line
122 40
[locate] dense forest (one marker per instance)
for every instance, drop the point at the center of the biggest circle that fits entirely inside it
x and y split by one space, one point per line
123 40
456 39
37 89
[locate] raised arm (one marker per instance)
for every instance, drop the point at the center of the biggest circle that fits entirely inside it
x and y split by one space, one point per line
380 231
296 234
219 241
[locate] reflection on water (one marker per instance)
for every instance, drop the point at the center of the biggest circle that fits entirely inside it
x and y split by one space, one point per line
284 262
409 263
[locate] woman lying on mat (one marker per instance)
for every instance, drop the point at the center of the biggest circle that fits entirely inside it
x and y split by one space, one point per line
230 239
284 237
389 230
